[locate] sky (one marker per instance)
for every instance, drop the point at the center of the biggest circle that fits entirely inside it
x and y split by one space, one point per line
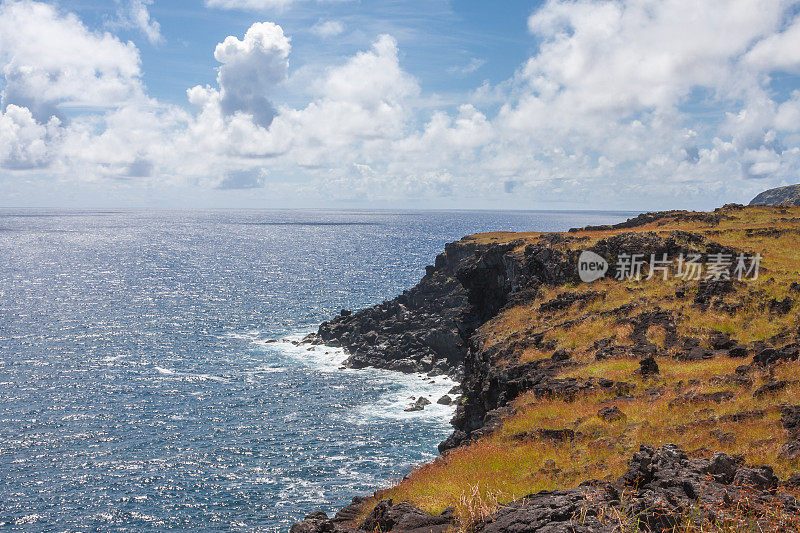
454 104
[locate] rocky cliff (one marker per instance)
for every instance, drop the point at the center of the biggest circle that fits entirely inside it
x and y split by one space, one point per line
560 370
427 328
779 196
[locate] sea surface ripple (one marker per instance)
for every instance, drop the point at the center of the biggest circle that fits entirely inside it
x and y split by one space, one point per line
139 389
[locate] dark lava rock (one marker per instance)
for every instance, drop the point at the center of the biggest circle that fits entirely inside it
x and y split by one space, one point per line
560 355
743 416
716 397
766 356
565 300
660 487
790 419
770 388
611 414
738 351
316 522
697 353
722 341
761 478
556 434
648 367
419 405
708 289
445 400
456 439
401 518
781 307
404 517
790 450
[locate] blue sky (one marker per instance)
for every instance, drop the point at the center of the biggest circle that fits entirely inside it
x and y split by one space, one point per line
440 40
560 104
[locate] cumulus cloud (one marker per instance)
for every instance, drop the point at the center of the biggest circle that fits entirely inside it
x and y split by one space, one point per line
24 143
51 60
362 100
604 110
777 51
606 91
250 68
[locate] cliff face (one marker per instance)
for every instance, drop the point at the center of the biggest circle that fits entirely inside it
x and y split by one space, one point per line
564 381
431 328
780 196
427 328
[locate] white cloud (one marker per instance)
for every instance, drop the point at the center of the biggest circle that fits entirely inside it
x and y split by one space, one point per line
250 68
24 143
604 111
647 54
779 51
50 60
473 66
788 114
328 28
135 14
254 5
360 104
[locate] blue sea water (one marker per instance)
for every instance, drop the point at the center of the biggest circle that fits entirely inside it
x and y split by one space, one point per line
140 389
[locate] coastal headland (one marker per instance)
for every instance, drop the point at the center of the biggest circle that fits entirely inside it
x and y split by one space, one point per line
663 395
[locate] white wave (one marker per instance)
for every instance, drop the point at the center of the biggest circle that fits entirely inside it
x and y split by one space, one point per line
188 376
268 369
402 387
404 390
319 357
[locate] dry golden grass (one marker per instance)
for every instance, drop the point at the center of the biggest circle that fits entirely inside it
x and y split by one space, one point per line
501 467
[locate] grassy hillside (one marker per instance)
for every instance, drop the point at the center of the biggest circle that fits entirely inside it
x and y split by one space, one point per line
705 397
789 195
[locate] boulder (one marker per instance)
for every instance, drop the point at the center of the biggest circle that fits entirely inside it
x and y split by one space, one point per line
790 450
611 414
648 367
770 388
790 419
418 405
761 478
404 517
721 341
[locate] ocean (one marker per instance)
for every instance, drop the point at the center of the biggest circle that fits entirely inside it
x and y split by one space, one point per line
148 378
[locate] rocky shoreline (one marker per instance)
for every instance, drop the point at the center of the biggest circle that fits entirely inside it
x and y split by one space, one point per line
433 329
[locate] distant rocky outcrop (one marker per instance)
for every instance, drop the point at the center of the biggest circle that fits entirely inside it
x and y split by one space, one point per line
789 195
